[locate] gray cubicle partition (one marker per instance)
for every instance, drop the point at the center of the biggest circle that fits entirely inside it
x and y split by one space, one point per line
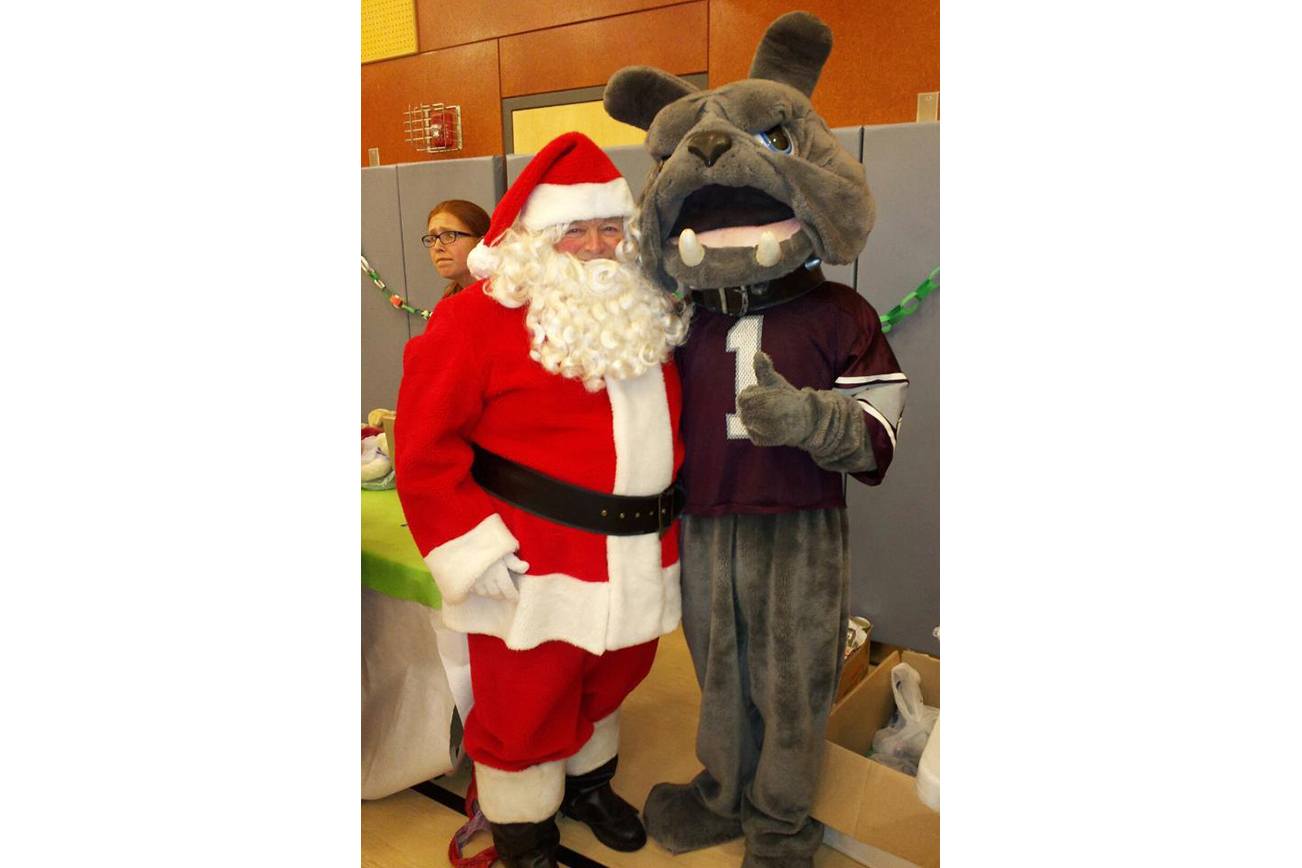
423 185
396 201
384 330
895 526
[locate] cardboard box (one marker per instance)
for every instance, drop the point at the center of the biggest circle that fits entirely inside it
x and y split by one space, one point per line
386 422
855 668
865 800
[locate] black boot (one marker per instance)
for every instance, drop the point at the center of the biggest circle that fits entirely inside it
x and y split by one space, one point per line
526 845
589 799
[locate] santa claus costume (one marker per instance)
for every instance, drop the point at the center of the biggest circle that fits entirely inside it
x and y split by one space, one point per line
543 502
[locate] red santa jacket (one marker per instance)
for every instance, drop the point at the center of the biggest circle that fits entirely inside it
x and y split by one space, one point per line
469 379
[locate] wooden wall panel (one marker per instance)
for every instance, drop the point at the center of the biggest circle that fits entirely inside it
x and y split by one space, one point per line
884 53
585 55
464 76
439 24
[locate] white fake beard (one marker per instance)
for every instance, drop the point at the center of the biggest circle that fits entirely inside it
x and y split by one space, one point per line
586 320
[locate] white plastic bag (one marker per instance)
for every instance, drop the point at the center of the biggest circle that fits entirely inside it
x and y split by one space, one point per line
899 744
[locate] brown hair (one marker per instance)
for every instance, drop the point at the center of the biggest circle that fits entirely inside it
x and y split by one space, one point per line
476 219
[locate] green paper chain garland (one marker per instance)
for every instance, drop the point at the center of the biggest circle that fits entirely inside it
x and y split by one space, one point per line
907 305
911 301
394 299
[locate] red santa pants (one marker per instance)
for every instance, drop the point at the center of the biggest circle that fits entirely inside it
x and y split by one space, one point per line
540 705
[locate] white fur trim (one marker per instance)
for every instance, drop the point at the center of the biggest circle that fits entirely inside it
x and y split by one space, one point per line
560 607
550 204
597 750
482 260
644 441
644 464
637 599
458 562
527 796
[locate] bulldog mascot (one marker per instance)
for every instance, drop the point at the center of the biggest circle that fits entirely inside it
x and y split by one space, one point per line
787 384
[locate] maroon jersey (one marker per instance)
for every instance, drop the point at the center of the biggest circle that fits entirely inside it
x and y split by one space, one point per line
829 338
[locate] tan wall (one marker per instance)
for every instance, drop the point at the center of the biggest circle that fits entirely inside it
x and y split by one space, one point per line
886 52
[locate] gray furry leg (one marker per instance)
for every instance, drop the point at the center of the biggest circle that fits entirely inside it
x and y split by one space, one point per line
707 811
792 585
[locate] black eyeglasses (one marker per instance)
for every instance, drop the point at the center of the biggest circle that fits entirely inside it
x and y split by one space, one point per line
445 238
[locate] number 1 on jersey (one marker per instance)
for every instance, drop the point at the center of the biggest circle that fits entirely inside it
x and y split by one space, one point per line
744 340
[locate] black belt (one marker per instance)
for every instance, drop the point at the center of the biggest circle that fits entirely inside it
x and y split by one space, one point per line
751 297
570 505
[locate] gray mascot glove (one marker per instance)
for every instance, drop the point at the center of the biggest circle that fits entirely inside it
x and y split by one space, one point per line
827 425
775 412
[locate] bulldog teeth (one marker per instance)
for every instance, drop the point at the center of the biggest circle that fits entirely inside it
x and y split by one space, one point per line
690 250
767 252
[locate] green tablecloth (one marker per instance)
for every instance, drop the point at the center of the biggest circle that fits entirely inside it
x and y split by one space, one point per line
391 563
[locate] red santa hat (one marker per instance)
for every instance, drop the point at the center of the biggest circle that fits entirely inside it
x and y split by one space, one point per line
569 179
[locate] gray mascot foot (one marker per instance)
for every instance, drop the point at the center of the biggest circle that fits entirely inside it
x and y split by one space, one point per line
680 822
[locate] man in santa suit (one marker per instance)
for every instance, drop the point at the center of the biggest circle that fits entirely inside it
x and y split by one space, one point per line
538 421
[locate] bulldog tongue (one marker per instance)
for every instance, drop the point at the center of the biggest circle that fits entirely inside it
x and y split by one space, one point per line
748 236
764 241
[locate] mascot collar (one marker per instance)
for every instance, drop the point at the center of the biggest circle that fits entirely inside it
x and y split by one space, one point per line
749 298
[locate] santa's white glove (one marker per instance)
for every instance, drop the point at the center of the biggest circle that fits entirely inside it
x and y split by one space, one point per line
498 581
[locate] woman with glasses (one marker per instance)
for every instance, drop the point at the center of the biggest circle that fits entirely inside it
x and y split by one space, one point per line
451 231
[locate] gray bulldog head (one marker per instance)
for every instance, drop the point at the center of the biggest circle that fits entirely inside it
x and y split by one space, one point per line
748 183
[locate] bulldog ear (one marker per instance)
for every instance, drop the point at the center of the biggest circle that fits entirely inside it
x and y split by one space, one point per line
635 94
793 51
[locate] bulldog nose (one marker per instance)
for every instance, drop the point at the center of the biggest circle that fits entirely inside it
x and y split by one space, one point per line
709 146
